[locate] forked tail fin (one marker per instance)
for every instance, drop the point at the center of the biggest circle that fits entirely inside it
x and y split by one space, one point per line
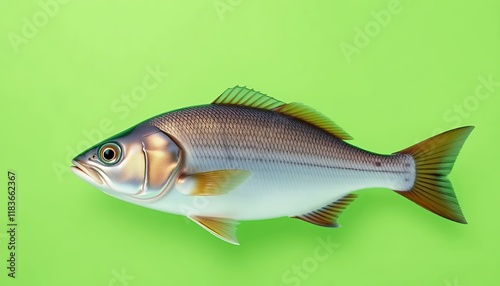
434 159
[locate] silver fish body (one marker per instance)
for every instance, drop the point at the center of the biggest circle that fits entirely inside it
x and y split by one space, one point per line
295 167
248 156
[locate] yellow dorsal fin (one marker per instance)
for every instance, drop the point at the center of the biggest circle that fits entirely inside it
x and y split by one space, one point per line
313 117
328 215
241 95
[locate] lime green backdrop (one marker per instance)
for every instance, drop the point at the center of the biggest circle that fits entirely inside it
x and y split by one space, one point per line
390 73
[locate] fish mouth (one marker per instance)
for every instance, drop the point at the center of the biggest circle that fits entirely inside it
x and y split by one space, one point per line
87 173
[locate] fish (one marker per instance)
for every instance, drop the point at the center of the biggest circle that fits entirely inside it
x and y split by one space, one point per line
248 156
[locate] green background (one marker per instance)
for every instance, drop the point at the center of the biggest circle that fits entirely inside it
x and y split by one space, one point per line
415 74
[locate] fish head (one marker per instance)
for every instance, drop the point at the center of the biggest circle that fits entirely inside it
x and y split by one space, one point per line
142 162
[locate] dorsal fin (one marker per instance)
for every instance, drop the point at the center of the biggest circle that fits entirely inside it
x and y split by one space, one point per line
313 117
241 95
328 215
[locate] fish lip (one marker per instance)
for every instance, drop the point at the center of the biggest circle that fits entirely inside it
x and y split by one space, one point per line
86 172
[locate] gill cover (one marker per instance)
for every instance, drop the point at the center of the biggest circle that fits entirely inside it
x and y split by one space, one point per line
162 160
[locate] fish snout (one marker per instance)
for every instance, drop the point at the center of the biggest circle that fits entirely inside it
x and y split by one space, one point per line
86 172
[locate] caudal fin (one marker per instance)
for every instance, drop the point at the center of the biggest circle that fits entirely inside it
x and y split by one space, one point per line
434 159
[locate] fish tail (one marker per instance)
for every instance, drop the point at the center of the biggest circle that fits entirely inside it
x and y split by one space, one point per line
434 160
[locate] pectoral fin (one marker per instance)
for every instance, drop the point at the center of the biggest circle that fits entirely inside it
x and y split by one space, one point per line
328 215
223 228
211 183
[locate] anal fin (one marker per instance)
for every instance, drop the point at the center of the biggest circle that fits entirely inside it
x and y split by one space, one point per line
222 228
327 216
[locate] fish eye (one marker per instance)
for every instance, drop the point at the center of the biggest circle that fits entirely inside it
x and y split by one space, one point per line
109 153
